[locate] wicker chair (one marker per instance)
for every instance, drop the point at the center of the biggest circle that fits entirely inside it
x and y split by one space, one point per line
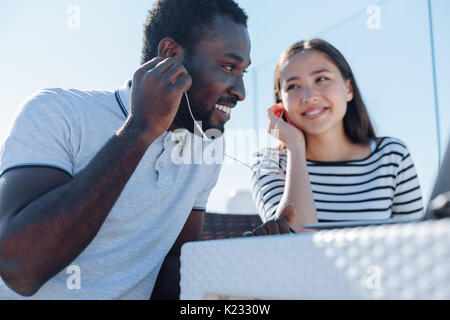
224 226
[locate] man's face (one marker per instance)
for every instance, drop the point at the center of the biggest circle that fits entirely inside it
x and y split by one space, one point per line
216 64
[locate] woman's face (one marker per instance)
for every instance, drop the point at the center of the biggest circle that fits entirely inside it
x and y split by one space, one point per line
314 93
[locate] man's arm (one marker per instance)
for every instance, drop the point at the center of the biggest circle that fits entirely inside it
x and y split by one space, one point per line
47 218
167 286
45 226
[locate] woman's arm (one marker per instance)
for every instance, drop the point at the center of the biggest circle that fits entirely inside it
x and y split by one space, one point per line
267 182
297 189
407 202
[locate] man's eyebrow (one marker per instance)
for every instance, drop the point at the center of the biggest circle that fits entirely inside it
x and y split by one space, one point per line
236 57
311 74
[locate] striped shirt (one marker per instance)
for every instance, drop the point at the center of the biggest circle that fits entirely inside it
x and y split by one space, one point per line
381 186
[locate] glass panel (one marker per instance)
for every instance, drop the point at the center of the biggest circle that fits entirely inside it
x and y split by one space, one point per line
441 27
391 59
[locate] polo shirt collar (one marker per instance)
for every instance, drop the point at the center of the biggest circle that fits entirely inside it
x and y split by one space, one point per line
123 95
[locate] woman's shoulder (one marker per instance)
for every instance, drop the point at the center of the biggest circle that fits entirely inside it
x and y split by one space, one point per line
391 143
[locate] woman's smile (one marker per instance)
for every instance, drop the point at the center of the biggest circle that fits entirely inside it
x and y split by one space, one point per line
314 112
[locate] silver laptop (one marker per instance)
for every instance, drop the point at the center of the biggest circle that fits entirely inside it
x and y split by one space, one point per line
441 185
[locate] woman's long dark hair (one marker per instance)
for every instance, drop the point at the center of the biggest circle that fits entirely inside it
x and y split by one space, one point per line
357 125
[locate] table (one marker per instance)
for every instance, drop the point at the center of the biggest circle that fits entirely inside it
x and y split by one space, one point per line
401 261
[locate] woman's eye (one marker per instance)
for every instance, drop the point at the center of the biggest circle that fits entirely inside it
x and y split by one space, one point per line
320 79
291 86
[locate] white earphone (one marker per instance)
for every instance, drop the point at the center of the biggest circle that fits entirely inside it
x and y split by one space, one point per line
257 171
195 122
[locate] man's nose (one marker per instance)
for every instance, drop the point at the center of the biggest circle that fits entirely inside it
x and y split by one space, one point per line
238 89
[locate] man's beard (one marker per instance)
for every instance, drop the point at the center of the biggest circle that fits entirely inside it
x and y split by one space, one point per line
183 118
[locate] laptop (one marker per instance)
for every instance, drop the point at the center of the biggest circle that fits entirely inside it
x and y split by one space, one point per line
441 185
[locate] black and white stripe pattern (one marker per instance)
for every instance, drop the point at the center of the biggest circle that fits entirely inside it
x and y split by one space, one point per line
381 186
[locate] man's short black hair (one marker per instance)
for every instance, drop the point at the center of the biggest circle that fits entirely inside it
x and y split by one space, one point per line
185 21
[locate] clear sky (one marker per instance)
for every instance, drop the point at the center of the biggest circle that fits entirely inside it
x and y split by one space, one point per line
96 45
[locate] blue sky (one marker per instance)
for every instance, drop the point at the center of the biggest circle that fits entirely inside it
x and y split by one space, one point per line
392 62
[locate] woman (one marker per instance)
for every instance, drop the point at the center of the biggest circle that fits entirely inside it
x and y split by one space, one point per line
330 165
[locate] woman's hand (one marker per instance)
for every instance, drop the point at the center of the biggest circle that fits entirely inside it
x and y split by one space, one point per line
281 225
283 131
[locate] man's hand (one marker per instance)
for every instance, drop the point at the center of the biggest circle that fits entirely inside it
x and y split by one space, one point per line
276 226
157 89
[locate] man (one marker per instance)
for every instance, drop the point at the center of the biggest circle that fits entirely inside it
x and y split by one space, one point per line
86 177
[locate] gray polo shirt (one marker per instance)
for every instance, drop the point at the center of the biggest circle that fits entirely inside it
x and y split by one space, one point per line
65 129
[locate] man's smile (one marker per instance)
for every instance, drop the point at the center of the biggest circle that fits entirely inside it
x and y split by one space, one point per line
224 107
226 110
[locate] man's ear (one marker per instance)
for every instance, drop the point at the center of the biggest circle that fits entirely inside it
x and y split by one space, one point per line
169 48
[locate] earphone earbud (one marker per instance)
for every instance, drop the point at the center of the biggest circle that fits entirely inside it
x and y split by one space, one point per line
278 110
